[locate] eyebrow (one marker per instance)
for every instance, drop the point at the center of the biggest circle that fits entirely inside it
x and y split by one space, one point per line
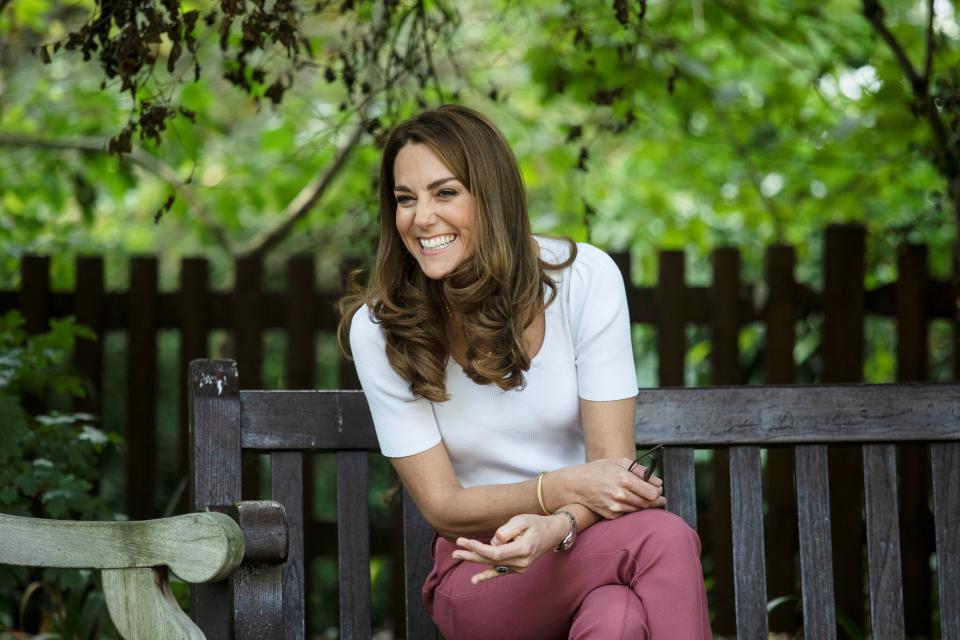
432 185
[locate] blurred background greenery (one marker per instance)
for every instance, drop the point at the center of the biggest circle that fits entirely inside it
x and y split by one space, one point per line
253 130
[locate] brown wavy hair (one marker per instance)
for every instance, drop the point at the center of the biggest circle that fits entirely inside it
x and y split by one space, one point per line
498 290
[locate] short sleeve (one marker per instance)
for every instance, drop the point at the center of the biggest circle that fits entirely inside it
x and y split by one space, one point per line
405 425
600 327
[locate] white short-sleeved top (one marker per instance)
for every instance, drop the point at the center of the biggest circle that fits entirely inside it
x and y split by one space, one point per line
494 436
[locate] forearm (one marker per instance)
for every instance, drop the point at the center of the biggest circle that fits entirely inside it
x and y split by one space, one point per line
479 511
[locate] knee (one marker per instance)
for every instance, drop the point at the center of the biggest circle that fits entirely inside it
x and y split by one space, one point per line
610 611
669 533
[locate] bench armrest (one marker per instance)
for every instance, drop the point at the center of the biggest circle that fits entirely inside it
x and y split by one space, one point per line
198 547
134 557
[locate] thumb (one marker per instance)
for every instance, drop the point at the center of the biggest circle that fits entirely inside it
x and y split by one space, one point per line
513 528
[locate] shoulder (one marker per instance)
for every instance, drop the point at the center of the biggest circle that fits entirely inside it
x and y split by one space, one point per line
366 335
590 262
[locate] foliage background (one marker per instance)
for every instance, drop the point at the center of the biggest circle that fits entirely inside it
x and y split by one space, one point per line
661 124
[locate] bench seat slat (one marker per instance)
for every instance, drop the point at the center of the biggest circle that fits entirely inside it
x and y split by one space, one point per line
746 514
816 553
679 483
417 563
945 471
883 540
286 479
353 544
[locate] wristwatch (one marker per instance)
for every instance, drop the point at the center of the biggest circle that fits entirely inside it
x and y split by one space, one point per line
568 539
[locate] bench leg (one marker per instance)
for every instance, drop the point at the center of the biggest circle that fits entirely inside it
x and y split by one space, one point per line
142 607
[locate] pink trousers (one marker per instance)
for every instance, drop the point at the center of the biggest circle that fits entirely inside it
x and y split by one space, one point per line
638 576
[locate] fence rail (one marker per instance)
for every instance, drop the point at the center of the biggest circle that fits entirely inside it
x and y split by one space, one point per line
724 307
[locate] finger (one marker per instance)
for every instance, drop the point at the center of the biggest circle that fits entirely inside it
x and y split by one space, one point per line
490 554
483 576
472 556
644 490
468 543
487 552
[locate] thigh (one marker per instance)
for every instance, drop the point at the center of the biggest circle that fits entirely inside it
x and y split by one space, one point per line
542 601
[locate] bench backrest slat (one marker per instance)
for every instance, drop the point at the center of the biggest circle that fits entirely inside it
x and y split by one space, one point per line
746 512
286 480
679 483
307 421
353 548
816 552
771 415
417 561
945 471
883 540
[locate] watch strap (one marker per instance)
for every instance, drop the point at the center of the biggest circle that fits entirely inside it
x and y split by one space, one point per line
568 539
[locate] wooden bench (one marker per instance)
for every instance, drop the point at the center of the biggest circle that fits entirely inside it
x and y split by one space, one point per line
286 424
265 599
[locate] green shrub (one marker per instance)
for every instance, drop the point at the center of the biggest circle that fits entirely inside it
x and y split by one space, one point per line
49 465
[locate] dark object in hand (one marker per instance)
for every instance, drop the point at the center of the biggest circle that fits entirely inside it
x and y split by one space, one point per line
653 465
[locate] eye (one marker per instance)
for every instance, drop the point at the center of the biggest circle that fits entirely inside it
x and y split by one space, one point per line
403 199
446 193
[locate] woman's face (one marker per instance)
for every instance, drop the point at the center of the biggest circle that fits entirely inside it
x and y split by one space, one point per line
435 212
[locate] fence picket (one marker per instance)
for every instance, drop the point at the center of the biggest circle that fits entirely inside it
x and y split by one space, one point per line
88 354
724 370
843 353
915 516
140 426
779 317
248 310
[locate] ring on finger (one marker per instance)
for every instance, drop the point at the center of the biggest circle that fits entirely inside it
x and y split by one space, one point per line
501 569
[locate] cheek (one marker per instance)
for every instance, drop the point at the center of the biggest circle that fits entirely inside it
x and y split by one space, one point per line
401 221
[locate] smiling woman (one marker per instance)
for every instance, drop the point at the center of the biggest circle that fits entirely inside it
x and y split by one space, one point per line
525 447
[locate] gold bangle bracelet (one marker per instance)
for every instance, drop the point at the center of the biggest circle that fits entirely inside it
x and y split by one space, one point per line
543 506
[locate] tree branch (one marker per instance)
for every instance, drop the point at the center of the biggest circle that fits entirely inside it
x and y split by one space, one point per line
873 12
304 201
145 161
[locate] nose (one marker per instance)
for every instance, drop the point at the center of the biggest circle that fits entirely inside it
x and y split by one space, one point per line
424 216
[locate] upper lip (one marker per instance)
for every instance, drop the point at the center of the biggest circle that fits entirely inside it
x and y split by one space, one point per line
436 235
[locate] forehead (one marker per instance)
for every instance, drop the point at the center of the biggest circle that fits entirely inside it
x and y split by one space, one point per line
416 165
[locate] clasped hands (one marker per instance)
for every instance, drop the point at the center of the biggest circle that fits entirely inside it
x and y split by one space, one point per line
606 487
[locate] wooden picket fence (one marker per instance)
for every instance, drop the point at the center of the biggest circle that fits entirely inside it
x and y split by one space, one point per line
670 306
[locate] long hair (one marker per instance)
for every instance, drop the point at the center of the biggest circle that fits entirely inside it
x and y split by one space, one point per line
498 290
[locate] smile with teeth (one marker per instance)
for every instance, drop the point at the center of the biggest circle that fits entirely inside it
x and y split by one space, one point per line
437 242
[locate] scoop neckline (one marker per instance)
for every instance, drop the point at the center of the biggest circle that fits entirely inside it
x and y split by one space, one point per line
547 333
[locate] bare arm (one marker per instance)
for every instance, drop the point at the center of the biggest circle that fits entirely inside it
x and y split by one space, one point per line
609 438
453 510
603 484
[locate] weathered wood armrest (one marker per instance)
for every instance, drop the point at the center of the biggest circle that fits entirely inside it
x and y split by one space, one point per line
134 558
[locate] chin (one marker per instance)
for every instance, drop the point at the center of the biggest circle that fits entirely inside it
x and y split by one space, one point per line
435 273
437 269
